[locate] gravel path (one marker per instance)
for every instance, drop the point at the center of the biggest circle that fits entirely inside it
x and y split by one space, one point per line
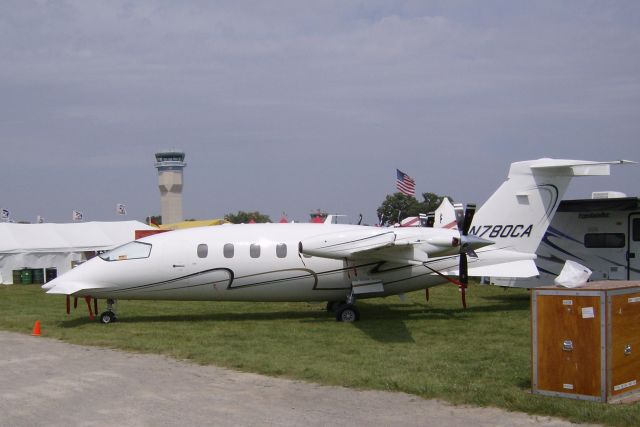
47 382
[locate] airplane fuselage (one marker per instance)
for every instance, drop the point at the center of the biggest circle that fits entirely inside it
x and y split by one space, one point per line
253 262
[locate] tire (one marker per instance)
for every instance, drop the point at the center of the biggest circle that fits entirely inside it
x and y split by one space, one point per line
347 313
107 317
332 306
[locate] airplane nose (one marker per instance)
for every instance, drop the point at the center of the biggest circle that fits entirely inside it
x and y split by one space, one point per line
77 279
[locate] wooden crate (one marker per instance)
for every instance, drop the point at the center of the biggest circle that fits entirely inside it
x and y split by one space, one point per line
586 341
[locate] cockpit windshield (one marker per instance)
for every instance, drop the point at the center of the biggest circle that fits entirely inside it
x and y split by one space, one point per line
132 250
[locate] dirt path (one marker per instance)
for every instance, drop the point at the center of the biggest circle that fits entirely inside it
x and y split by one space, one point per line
47 382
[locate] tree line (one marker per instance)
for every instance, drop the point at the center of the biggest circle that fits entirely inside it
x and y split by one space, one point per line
393 209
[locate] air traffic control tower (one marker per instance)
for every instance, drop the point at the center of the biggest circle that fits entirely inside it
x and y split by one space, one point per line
170 164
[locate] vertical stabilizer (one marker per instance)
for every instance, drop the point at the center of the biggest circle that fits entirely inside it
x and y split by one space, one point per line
517 215
445 215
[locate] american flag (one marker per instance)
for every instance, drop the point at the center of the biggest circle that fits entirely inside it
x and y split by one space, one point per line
405 184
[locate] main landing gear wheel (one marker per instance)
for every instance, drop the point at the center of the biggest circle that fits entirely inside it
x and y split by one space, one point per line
108 317
332 306
347 313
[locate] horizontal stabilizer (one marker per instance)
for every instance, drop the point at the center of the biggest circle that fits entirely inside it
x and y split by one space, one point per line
522 268
576 167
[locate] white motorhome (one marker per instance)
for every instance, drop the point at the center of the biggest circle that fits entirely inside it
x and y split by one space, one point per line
601 233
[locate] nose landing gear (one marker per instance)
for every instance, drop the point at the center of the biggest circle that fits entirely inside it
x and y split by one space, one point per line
109 316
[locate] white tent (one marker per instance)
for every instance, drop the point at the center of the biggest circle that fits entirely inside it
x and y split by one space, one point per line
58 245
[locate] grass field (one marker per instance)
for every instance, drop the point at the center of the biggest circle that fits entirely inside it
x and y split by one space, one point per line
479 356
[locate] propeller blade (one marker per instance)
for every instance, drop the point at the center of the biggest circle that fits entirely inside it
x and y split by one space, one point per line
459 211
464 217
464 278
469 212
464 272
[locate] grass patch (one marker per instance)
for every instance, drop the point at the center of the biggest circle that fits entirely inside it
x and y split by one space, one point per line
479 356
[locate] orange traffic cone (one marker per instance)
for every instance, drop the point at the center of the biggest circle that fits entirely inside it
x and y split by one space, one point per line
36 329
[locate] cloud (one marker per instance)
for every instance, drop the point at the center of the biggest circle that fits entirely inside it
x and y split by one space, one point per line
323 98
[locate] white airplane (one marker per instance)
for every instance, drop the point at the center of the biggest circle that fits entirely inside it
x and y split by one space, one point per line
333 262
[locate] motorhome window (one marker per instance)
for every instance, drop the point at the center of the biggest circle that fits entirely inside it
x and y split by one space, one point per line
132 250
281 250
227 250
203 250
636 230
604 240
254 250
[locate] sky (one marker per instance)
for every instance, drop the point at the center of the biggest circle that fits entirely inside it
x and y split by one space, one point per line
290 106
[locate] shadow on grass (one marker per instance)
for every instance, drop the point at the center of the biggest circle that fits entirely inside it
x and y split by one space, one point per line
516 301
207 317
371 315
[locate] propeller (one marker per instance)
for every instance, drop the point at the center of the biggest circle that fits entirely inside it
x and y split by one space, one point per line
464 217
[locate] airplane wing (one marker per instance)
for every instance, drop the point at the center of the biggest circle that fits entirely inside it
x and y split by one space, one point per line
345 244
399 245
409 247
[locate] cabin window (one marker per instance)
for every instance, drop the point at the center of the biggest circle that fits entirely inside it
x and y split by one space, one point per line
604 240
203 250
281 250
227 250
254 250
636 230
132 250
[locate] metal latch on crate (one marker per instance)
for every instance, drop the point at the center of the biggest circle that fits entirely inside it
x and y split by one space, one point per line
627 349
567 345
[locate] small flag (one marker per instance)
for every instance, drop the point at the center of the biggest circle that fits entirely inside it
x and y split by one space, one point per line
40 219
77 216
121 209
5 214
405 184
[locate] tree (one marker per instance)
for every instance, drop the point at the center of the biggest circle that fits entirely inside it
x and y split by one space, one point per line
431 202
243 217
398 206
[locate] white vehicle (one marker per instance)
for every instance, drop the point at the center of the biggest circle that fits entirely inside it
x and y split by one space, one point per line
333 262
601 233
